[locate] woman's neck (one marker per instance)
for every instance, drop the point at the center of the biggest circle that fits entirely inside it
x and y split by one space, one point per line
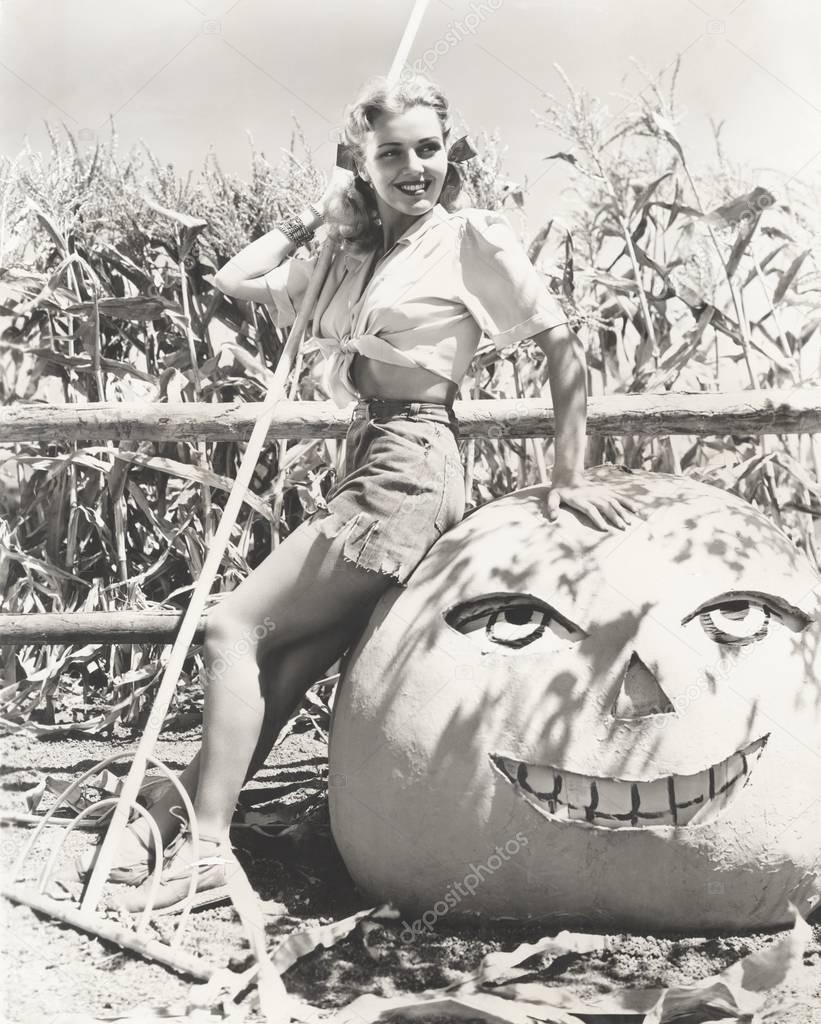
393 229
390 236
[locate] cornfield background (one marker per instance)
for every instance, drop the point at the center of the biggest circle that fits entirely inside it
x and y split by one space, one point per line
677 278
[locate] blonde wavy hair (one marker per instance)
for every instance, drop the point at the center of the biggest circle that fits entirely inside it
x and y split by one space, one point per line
352 215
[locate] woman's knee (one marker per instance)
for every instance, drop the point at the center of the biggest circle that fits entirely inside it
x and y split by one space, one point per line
230 638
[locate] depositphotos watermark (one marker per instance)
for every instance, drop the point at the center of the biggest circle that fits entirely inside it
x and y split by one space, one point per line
457 891
246 643
227 656
455 33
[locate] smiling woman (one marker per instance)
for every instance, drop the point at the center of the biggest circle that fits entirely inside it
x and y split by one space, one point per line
413 285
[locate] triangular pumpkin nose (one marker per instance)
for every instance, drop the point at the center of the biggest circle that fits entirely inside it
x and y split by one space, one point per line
640 694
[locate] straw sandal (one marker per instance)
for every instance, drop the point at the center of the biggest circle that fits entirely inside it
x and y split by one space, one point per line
214 867
66 883
132 874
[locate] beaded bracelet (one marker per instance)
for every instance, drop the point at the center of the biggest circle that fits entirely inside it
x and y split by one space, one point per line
297 230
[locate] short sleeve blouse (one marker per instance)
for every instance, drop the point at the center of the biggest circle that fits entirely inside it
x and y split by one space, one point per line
500 287
448 279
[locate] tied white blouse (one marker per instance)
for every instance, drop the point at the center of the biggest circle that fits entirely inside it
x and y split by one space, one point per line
450 278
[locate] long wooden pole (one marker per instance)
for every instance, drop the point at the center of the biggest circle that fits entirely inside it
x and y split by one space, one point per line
151 949
406 42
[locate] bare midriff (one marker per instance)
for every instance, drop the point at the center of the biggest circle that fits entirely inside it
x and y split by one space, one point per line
375 379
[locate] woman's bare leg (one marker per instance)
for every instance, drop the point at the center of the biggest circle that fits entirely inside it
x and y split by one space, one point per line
281 675
305 587
302 589
285 676
288 674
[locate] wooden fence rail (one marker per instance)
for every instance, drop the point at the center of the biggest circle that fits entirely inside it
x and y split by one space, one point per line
743 412
795 411
124 627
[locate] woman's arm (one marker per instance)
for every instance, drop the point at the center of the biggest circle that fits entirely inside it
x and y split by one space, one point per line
254 261
567 373
243 276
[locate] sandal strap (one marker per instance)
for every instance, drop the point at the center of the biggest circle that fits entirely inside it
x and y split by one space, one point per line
182 836
186 833
212 839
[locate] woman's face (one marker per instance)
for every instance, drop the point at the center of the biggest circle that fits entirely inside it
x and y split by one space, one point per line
406 148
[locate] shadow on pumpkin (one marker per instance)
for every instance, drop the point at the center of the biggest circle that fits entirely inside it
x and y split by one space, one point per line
615 727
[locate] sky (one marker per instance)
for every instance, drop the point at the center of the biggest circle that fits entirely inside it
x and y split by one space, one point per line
189 75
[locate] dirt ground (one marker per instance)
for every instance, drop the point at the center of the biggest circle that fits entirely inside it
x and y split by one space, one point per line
51 970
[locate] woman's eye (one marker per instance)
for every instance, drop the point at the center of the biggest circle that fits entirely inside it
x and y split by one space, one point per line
513 621
432 146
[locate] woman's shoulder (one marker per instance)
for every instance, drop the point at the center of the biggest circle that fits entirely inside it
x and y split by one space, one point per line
476 217
481 229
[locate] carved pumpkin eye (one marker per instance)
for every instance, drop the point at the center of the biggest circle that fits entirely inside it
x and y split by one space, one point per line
513 621
740 620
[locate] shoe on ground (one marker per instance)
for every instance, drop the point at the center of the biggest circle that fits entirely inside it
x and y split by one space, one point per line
68 882
214 867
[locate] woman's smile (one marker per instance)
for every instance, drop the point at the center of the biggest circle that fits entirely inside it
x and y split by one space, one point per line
414 189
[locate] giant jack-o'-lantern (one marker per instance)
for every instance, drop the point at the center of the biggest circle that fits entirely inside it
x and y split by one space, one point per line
618 729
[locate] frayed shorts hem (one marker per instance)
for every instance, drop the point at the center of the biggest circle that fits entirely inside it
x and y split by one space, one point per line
357 534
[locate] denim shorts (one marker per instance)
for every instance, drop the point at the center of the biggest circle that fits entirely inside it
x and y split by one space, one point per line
403 485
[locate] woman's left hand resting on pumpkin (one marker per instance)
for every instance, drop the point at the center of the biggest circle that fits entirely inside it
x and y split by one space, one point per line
597 501
567 373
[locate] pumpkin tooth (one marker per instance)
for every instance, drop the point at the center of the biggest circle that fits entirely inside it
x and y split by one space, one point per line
689 794
719 776
614 797
654 796
577 793
541 779
736 766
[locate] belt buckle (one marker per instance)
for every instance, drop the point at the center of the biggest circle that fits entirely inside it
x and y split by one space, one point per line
373 407
365 409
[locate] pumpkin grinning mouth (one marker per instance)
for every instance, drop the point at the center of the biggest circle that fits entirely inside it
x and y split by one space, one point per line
677 800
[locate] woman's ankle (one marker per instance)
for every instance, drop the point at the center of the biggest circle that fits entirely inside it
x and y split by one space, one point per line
167 824
211 832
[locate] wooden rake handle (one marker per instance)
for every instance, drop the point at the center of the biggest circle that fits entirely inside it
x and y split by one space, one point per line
190 621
